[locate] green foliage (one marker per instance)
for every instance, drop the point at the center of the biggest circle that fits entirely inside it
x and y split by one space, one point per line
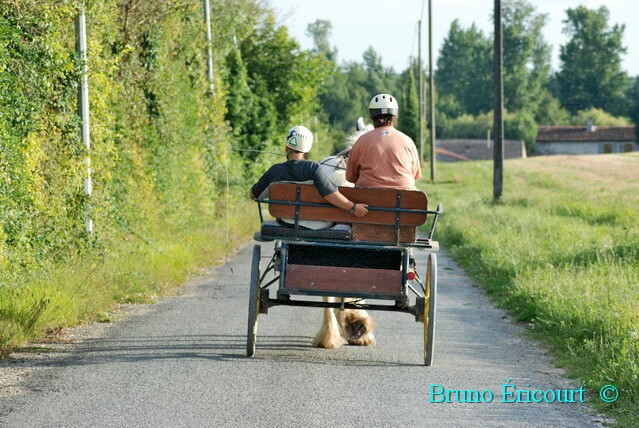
280 73
253 118
521 126
448 106
272 84
464 69
351 86
517 126
550 111
591 74
379 79
465 64
468 126
561 253
598 117
161 154
408 120
346 97
38 150
526 56
320 31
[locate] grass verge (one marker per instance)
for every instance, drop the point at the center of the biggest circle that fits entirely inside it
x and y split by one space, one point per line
561 252
39 302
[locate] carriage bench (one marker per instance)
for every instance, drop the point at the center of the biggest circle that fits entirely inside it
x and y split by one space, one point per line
393 216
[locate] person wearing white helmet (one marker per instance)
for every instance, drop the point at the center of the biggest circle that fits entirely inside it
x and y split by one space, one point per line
299 141
385 156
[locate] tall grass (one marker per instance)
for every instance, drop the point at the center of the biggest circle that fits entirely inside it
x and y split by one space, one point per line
36 302
561 252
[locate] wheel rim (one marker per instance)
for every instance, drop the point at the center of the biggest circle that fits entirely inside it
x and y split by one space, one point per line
430 297
254 302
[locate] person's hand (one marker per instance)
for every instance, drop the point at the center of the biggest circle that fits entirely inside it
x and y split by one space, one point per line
361 210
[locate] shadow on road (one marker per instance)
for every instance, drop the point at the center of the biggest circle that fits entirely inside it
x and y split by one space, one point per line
276 348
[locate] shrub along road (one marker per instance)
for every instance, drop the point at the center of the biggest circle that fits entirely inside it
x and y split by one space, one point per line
182 363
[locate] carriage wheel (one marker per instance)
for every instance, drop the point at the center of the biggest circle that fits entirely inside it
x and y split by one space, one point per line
254 302
430 300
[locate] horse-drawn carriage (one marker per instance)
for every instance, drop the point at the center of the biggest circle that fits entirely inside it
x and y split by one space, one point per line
356 259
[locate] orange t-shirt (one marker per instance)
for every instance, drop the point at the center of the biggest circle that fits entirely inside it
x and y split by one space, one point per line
384 157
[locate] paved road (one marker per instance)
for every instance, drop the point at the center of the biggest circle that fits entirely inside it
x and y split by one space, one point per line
182 364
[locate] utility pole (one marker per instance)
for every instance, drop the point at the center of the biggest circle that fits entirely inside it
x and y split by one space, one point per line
421 92
209 63
83 105
498 80
431 89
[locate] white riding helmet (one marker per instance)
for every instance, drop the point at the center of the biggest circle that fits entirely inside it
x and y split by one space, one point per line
300 139
383 105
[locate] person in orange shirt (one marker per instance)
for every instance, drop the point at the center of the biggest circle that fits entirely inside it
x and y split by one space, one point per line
385 156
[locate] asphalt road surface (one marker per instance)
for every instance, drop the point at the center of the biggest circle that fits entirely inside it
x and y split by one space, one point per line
183 363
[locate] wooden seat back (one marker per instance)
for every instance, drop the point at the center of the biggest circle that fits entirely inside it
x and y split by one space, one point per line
381 198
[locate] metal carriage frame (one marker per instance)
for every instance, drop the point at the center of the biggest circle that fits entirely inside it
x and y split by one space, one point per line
425 291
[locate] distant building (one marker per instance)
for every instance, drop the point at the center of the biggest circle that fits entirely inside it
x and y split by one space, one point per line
586 140
465 150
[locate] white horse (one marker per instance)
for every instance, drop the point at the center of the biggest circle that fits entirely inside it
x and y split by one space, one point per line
339 326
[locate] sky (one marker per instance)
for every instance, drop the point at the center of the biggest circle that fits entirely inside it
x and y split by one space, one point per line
390 26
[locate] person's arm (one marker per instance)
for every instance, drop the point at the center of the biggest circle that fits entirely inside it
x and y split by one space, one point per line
340 201
329 191
352 167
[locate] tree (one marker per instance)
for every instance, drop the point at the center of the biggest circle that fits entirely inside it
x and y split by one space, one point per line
526 56
591 74
464 68
409 102
352 85
270 82
380 79
320 32
550 111
346 97
239 98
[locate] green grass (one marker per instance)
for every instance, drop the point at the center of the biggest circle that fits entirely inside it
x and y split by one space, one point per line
41 300
561 252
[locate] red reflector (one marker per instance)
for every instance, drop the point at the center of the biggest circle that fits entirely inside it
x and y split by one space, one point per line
410 276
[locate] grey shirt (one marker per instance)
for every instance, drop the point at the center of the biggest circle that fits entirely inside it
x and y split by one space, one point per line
296 170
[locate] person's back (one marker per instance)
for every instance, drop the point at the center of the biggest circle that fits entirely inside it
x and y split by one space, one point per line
384 157
295 170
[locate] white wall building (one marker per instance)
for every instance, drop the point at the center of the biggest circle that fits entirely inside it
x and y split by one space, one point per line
586 140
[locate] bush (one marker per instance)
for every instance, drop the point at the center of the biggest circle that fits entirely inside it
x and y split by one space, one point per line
468 126
521 126
599 117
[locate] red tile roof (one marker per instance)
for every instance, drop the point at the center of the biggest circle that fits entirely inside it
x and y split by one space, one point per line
579 133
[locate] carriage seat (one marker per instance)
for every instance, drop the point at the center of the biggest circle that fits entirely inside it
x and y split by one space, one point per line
381 224
272 230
